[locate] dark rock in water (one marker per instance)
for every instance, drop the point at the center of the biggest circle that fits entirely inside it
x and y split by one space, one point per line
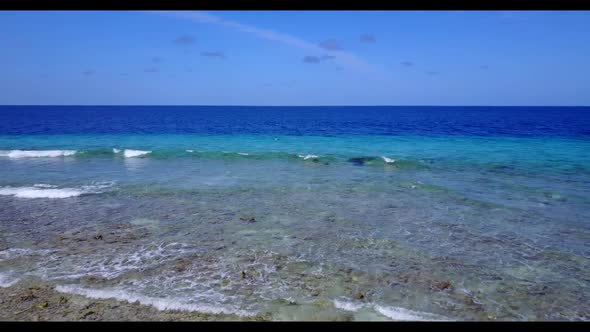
346 270
248 219
468 300
93 280
442 285
538 290
360 161
29 295
357 161
98 237
359 296
403 278
86 313
43 305
182 264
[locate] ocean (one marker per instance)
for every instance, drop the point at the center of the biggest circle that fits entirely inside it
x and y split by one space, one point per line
303 213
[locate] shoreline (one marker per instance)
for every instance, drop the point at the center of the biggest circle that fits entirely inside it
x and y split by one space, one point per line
36 300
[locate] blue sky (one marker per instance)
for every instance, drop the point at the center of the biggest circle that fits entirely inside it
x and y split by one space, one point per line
295 58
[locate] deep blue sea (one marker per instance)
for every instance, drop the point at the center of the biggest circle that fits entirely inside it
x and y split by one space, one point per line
303 213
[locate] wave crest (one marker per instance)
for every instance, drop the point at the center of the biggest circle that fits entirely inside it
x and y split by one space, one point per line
50 191
128 153
158 303
15 154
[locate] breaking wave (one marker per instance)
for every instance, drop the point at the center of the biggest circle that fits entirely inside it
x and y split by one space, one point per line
51 191
16 154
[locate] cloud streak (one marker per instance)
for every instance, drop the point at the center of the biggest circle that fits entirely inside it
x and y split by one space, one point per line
330 45
311 59
184 40
345 59
215 54
366 38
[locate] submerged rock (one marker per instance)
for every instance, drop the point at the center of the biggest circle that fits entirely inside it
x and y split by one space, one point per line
442 285
250 220
182 264
358 296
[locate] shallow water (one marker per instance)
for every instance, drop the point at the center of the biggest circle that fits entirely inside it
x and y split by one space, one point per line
396 226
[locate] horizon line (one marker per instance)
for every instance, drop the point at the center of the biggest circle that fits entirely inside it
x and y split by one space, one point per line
230 105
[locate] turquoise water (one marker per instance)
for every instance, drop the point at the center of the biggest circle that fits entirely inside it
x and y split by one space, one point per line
307 227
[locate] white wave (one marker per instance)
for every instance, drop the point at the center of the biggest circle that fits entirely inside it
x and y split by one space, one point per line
402 314
116 150
347 305
42 185
37 153
309 156
394 313
7 281
50 191
34 192
191 151
134 153
388 160
243 153
158 303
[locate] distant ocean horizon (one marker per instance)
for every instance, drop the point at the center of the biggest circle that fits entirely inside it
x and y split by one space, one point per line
303 212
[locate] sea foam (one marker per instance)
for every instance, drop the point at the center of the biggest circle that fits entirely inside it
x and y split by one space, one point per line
158 303
49 191
35 192
347 305
308 156
402 314
37 153
7 281
394 313
388 160
134 153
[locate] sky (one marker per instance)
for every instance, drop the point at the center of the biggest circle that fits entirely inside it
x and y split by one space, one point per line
295 58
